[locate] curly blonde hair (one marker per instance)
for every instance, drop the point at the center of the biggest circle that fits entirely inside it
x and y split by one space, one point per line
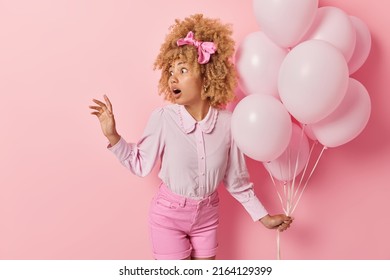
218 75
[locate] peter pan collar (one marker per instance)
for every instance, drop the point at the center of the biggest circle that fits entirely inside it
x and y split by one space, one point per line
188 123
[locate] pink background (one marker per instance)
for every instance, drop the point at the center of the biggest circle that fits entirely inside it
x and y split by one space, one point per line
64 196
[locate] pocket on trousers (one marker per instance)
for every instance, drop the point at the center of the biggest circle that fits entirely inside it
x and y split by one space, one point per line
165 203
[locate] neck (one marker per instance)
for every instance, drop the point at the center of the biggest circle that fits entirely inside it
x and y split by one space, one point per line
199 111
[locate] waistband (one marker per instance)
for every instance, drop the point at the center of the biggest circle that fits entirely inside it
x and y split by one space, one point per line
182 200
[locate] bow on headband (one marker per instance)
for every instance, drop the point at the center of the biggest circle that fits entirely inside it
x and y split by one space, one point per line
205 49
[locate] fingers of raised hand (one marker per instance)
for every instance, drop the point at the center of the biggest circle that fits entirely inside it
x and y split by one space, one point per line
102 108
97 110
109 105
98 102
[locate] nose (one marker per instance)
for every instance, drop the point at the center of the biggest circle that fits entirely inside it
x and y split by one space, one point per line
173 79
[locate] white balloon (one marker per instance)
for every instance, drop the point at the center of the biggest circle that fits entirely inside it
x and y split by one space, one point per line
293 160
362 46
334 26
285 22
313 79
261 127
258 60
348 120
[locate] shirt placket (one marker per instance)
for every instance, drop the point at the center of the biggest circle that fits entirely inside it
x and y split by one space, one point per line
200 147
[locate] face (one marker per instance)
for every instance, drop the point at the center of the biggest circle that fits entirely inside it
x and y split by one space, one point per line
185 84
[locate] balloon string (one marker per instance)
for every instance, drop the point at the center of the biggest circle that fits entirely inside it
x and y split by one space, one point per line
277 191
291 197
299 150
291 191
311 173
278 245
287 184
278 250
305 169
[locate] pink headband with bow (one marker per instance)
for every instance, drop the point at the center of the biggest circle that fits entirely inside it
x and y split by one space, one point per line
205 49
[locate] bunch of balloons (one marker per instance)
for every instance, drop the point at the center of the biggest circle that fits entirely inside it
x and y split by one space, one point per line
295 73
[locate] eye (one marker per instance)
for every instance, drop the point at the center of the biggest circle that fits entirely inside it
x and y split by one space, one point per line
183 70
170 73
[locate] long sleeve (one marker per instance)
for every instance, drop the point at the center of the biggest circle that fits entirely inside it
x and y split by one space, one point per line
141 157
237 182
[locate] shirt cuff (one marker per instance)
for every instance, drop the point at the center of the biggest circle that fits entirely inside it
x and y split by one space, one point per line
122 150
255 209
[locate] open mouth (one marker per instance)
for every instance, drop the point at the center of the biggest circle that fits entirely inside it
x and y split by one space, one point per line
176 91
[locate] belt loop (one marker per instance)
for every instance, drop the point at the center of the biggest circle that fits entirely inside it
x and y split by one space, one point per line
209 200
183 202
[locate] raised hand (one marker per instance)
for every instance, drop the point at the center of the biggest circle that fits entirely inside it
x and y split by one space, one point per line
106 118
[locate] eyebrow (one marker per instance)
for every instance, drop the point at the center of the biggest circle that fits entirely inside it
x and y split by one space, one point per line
178 64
